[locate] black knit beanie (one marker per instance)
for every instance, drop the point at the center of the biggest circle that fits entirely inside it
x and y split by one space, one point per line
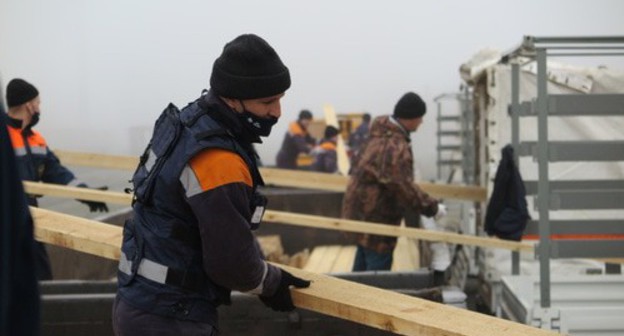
19 92
249 68
410 106
330 131
305 114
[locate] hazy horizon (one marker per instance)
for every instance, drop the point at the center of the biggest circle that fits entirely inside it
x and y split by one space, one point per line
105 70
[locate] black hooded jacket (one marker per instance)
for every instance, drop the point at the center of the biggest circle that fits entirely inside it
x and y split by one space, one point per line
507 212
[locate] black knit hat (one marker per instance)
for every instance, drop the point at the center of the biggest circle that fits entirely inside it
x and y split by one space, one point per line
249 68
305 114
330 131
410 106
19 92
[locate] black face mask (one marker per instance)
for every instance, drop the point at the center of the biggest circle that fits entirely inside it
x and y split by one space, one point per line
258 126
17 123
34 120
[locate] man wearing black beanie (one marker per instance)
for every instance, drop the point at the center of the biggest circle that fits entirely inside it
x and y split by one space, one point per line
296 141
35 161
381 188
325 158
190 240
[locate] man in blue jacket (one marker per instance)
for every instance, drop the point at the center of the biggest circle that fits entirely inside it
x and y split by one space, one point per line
190 240
35 161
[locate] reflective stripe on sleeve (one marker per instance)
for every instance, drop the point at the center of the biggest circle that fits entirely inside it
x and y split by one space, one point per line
190 182
258 290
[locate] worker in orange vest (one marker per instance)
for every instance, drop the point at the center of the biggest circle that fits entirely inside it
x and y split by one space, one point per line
35 161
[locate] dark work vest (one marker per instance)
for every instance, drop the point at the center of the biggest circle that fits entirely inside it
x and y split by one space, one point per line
163 231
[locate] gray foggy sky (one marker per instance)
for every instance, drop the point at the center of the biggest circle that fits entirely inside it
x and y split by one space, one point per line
105 69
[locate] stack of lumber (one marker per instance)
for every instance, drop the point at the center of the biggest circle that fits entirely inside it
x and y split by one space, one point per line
338 259
273 251
331 259
406 255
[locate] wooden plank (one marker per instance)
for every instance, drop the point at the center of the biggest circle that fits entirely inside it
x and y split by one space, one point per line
406 256
344 260
302 220
316 258
391 230
329 259
341 149
378 308
281 177
272 248
444 191
77 233
333 182
399 313
98 160
299 179
56 190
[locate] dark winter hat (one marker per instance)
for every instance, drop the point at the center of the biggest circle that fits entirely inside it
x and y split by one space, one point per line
366 117
305 114
410 106
249 68
19 92
330 132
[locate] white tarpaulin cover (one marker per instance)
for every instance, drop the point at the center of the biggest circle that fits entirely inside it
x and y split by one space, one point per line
564 79
487 75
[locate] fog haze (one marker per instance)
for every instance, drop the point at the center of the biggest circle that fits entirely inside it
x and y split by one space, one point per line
106 69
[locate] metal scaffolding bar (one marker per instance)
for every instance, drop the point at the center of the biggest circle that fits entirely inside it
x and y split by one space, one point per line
580 227
515 140
531 186
543 188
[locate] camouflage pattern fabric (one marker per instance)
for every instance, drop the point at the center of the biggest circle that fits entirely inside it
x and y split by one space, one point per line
381 187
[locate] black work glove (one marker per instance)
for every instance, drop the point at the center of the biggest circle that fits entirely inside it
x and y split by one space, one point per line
281 300
94 206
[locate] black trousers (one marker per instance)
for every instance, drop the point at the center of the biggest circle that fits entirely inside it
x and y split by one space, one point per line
130 321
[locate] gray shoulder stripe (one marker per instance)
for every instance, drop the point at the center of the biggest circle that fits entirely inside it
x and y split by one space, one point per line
190 182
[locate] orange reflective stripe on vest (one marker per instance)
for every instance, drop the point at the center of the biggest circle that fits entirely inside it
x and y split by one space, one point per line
35 141
330 146
295 129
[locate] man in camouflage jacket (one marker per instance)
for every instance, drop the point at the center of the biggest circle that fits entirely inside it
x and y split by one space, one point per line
382 187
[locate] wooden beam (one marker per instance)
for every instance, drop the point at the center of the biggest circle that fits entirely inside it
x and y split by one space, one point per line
98 160
298 219
341 149
377 308
300 179
450 191
282 177
77 233
398 313
56 190
344 259
406 256
391 230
